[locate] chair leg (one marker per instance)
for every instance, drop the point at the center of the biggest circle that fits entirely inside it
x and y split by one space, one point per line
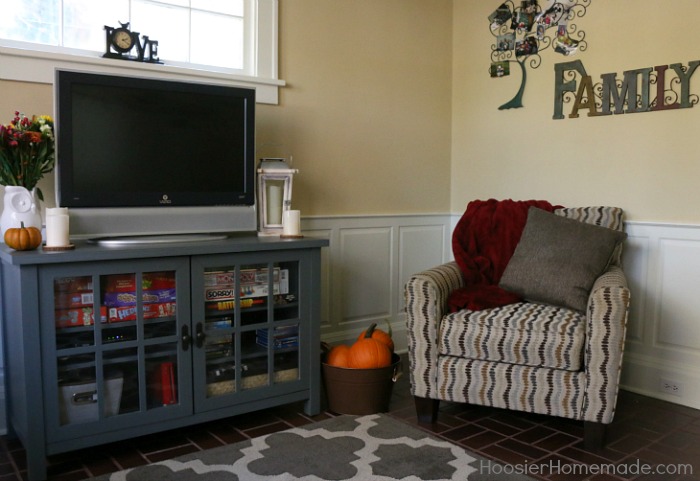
594 435
426 409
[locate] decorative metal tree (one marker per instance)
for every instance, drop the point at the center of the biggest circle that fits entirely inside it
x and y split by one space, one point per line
523 32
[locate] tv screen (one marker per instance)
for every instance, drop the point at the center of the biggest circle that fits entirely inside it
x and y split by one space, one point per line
126 143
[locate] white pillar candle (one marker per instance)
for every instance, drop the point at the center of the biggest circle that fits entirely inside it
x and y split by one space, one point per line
274 203
291 223
57 227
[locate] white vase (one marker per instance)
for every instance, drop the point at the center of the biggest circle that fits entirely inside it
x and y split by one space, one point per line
19 205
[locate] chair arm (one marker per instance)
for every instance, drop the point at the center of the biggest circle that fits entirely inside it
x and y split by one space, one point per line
608 305
426 296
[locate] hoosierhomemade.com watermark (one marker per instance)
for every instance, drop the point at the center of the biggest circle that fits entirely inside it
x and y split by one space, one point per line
559 467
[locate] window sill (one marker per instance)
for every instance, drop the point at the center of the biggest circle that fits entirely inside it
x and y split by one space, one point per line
26 65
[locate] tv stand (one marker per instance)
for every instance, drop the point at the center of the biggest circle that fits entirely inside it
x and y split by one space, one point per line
105 344
125 241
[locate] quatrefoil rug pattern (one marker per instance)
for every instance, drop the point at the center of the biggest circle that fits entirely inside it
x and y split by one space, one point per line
374 447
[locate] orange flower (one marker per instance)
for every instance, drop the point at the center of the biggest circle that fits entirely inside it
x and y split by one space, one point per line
31 136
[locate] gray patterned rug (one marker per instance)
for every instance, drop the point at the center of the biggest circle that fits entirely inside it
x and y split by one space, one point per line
374 447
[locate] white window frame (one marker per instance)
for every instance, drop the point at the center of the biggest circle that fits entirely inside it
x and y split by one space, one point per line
28 62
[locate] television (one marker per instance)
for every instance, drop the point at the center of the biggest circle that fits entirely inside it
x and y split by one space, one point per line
147 158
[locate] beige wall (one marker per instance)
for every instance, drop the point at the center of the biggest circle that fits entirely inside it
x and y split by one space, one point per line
366 110
366 113
647 163
389 109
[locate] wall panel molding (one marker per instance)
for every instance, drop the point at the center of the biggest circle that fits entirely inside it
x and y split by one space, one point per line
662 263
367 264
370 258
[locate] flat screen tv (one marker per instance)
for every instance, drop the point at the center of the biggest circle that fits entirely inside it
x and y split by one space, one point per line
143 157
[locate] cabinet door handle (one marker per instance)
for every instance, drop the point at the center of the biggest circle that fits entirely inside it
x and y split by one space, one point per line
199 335
186 338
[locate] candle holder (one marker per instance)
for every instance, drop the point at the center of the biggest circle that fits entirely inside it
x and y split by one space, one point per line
274 194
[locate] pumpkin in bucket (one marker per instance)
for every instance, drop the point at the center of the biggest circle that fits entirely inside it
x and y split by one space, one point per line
368 352
364 385
338 356
379 335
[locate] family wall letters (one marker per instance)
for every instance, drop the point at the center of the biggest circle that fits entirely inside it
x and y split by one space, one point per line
632 94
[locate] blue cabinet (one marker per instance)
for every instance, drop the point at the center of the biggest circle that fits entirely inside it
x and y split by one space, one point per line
104 343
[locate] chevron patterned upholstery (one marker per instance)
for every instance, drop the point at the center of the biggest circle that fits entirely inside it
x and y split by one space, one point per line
524 356
524 333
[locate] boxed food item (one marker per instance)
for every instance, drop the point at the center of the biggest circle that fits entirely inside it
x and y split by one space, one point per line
71 299
158 296
73 284
151 296
150 311
80 316
149 281
156 287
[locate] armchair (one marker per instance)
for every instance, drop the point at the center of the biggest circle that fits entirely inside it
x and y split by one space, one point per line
527 356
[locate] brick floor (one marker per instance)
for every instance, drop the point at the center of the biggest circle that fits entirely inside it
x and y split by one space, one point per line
645 431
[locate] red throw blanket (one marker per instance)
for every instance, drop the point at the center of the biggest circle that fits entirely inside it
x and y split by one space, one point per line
482 244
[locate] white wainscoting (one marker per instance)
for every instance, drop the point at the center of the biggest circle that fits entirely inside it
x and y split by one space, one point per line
662 263
369 260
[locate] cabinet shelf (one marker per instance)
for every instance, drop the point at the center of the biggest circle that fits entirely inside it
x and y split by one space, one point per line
81 360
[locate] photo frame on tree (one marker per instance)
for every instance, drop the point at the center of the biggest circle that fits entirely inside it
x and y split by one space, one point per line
524 29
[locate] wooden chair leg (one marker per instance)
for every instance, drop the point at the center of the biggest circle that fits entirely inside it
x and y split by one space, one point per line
426 409
594 435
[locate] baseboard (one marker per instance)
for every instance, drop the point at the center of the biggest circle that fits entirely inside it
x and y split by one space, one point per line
649 376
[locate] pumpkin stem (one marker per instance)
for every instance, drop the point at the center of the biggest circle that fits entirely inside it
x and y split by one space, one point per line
388 327
21 224
370 330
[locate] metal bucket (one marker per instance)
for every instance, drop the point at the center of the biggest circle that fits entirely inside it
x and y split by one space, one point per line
360 391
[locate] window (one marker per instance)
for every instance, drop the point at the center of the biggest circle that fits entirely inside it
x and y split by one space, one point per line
221 39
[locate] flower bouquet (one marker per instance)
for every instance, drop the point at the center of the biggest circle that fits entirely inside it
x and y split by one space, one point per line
26 151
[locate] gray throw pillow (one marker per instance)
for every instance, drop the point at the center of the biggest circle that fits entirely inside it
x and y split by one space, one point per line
557 259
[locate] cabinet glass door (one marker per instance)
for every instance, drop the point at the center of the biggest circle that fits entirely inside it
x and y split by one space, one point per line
251 327
118 345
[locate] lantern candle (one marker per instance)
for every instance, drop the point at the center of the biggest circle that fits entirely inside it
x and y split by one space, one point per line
274 202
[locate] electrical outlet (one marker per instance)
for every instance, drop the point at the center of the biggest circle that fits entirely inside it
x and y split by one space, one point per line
671 387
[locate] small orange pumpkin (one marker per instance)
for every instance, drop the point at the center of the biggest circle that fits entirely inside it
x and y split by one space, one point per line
338 356
369 353
381 336
23 238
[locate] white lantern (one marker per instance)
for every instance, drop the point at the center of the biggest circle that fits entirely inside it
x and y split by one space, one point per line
274 194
